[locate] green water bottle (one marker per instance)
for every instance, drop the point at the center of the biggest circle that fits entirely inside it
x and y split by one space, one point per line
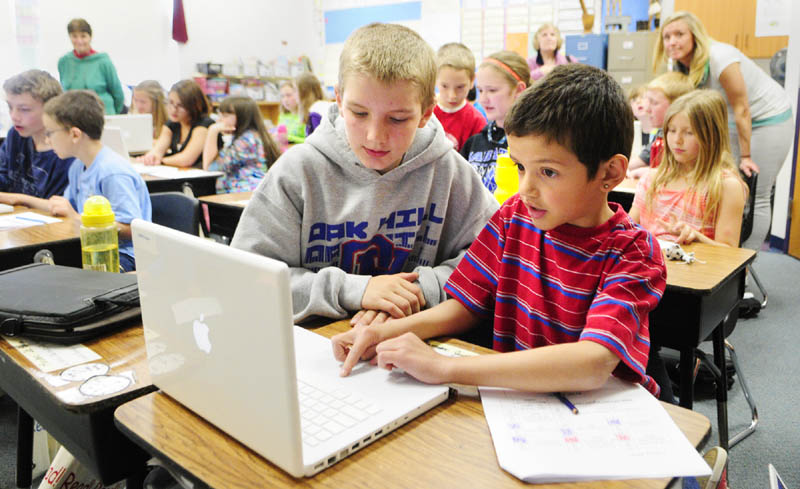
99 240
506 177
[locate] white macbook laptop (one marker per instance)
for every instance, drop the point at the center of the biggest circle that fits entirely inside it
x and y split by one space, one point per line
220 340
775 481
112 137
137 131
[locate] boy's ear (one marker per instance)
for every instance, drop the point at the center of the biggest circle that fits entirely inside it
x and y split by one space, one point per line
613 172
74 134
426 116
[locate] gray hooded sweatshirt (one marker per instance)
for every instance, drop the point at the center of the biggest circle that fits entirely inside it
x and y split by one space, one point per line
337 223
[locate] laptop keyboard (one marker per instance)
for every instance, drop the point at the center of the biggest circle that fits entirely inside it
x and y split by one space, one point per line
327 413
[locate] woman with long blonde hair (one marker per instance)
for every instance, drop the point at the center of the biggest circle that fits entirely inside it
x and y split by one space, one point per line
696 193
763 131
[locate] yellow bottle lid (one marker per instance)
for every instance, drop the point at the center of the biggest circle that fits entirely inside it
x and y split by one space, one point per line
506 177
97 212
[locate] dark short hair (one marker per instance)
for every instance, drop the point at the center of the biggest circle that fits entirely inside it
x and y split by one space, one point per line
581 108
78 108
79 25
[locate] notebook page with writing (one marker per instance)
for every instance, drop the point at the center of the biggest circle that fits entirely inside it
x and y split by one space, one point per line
622 432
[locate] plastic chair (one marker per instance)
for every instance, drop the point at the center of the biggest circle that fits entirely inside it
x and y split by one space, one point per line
176 210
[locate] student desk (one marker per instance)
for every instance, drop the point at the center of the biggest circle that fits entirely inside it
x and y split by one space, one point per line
201 184
224 211
623 193
85 428
697 300
18 246
449 446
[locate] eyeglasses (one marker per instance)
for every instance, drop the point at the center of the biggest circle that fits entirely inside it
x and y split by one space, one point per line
47 134
177 106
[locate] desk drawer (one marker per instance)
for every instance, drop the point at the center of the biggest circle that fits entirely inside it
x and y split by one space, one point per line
629 79
630 51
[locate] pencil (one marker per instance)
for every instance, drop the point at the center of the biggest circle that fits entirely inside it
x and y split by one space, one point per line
561 397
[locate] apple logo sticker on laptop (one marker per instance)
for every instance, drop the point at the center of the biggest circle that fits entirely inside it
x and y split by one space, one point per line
200 330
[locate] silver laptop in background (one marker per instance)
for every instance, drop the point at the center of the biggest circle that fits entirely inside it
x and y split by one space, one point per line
137 131
112 137
220 340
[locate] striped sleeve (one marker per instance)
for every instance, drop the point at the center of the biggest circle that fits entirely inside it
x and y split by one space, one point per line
474 281
618 316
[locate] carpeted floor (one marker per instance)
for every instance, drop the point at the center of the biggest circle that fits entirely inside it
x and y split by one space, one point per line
768 348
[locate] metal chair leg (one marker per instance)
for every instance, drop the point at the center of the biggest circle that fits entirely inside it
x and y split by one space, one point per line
746 391
760 286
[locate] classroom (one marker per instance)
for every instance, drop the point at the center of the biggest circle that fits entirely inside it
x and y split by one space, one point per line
297 164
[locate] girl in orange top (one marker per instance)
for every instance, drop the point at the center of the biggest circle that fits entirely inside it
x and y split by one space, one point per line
696 193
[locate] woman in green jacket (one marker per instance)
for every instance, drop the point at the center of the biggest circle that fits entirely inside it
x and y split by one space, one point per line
85 68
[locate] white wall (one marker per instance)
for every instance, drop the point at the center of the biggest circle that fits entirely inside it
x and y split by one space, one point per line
138 35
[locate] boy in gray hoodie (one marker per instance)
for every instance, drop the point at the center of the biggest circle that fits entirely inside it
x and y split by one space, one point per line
374 212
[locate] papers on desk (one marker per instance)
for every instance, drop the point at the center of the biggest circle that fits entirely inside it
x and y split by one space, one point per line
622 432
50 357
164 171
25 220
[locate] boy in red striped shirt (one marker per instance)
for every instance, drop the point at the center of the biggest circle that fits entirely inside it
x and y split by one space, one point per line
565 277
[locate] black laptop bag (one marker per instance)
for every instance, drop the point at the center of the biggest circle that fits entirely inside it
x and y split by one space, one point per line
65 305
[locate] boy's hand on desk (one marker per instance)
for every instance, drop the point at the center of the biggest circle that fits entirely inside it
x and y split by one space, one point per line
413 355
6 198
354 345
371 317
396 294
59 206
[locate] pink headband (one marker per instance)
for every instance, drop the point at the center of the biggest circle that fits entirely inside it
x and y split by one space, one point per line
504 66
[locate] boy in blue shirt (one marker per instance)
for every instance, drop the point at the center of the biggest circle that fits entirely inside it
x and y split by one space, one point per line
73 126
28 165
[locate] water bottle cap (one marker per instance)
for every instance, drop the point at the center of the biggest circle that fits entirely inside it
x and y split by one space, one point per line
97 211
504 160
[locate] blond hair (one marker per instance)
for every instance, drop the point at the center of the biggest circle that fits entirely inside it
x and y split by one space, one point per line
673 85
39 83
702 45
548 25
155 92
456 56
390 53
636 92
708 116
511 65
309 90
287 83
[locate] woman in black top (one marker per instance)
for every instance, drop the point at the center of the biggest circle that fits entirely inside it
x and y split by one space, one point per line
183 136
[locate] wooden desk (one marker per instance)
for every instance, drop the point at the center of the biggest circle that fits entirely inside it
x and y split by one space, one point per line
623 193
84 427
449 446
697 300
18 246
224 211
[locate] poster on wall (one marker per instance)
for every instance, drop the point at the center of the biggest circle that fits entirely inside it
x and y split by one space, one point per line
772 18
